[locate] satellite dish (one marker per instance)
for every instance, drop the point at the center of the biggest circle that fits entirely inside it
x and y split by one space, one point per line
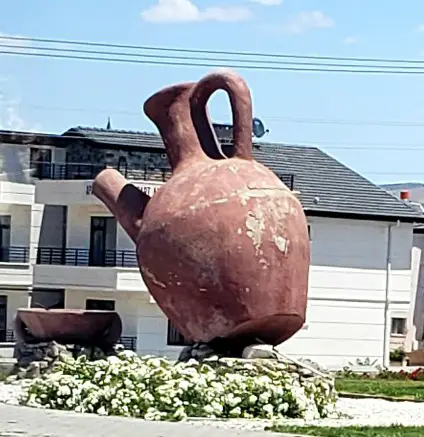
258 128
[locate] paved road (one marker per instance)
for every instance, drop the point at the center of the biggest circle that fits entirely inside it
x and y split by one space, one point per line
29 422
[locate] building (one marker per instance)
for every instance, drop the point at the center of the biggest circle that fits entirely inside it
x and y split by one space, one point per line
79 257
408 334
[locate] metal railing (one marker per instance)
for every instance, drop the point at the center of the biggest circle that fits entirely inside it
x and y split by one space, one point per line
10 336
14 254
88 171
85 257
129 343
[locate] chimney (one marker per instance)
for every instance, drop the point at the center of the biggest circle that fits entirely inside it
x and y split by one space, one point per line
404 195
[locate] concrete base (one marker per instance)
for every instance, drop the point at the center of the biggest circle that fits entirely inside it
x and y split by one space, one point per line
6 350
7 365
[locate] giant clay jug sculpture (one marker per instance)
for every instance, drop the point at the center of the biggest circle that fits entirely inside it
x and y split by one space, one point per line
222 246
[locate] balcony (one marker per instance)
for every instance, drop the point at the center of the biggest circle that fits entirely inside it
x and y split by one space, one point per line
15 268
71 183
14 254
88 171
81 257
116 270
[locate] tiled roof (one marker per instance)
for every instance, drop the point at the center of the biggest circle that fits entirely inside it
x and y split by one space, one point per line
325 185
121 138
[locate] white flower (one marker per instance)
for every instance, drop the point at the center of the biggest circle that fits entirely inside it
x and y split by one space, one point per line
157 389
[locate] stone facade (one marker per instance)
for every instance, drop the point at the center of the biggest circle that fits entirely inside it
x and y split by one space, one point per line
133 164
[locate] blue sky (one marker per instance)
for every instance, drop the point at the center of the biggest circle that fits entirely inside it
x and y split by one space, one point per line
52 95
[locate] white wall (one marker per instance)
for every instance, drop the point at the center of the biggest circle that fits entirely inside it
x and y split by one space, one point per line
126 304
152 332
78 224
345 318
416 316
15 299
78 229
17 273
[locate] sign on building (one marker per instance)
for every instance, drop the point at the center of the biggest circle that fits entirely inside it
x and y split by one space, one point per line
147 188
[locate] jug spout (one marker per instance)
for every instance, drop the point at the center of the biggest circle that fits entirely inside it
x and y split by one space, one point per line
169 110
125 201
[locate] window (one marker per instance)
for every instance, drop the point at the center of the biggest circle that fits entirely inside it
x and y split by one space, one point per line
398 326
122 165
99 305
175 338
49 299
40 161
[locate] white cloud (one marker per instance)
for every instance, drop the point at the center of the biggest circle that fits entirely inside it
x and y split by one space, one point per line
168 11
268 2
308 20
420 28
9 115
350 40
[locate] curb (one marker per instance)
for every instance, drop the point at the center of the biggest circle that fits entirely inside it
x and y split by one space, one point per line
382 397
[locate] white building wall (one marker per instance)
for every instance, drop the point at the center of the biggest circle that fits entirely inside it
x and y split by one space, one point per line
416 316
128 305
78 224
346 317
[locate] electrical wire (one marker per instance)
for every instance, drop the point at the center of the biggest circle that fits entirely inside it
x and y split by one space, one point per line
193 58
203 51
164 60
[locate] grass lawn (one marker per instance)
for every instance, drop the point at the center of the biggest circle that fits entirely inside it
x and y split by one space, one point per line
393 431
405 389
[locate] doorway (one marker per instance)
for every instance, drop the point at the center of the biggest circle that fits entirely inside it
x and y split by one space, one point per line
5 238
102 240
3 318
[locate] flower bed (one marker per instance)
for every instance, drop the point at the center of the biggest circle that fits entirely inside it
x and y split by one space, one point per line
159 389
413 375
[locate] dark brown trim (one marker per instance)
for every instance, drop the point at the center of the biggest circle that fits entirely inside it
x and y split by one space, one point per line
358 216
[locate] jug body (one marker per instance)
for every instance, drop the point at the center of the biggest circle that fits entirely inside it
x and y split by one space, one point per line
224 250
223 246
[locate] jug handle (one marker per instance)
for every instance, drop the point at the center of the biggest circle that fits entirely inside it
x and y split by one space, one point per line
241 106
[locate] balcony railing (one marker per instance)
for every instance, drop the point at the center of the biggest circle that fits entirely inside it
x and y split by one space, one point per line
85 257
10 336
76 171
14 254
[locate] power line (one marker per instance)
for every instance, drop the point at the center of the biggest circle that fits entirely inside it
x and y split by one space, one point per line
212 52
386 123
194 58
161 62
